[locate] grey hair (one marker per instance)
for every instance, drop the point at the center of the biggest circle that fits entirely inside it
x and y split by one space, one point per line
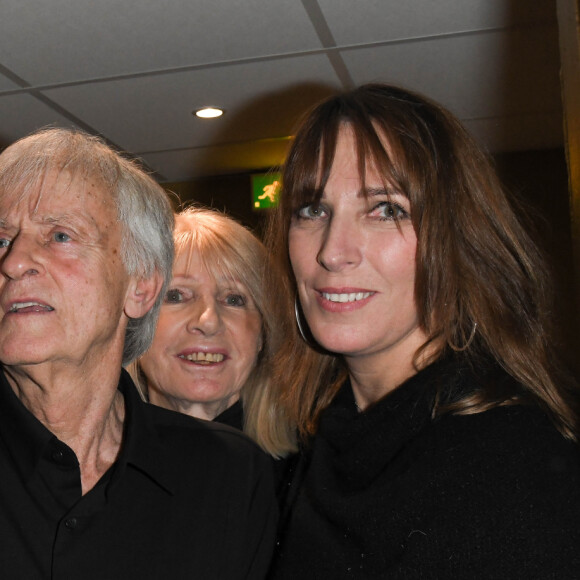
143 207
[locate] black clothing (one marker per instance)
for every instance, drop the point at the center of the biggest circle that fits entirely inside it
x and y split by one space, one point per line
232 416
185 499
392 493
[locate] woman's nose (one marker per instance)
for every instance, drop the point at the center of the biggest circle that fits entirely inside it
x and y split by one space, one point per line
340 245
20 258
205 317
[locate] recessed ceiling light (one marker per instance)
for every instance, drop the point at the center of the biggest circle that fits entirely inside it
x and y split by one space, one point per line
209 113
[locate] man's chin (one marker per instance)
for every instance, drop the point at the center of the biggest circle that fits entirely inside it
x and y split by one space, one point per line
22 357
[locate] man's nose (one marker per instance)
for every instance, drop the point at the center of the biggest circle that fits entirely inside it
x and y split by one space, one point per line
20 258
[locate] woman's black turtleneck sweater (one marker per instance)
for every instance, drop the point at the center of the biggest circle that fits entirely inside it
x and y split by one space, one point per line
393 493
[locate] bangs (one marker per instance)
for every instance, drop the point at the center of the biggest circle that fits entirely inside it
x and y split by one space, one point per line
220 257
311 160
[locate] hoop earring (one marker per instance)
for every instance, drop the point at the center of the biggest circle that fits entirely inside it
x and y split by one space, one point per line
468 343
298 322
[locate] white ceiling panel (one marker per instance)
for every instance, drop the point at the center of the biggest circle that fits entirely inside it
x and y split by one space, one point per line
366 21
56 41
22 114
482 75
259 98
6 84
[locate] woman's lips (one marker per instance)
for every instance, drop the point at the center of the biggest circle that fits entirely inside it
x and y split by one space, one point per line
207 357
203 357
343 299
345 296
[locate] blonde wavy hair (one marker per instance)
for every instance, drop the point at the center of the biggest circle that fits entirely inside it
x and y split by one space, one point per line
227 248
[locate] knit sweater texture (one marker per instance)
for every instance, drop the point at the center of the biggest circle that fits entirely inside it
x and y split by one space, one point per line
395 493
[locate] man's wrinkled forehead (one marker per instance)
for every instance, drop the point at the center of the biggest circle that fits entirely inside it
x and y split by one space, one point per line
53 186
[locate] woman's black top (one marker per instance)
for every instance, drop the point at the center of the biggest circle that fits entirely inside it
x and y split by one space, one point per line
232 416
394 493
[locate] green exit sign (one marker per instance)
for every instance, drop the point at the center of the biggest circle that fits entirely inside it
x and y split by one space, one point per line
265 190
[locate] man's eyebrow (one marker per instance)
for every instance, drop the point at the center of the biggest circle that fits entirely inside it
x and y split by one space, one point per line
68 218
57 219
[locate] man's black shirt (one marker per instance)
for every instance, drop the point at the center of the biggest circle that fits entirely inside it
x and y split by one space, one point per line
185 499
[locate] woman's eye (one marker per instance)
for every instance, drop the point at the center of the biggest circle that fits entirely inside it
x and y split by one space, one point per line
4 243
310 212
61 237
235 300
173 296
388 210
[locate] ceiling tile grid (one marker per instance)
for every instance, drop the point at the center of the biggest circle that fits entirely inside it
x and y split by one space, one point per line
478 75
71 40
369 21
134 70
128 110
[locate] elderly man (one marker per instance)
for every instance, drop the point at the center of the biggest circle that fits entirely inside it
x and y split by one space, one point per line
93 482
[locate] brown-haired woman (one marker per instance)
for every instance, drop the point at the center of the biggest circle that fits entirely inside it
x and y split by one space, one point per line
439 431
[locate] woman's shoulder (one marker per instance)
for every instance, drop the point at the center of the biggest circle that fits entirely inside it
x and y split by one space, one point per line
518 430
513 448
508 416
506 458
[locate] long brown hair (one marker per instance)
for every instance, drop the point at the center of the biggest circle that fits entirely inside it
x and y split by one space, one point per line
482 285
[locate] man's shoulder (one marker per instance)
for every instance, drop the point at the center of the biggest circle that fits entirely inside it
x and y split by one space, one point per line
184 434
183 454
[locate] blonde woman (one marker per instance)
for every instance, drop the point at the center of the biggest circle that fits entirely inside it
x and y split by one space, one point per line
218 331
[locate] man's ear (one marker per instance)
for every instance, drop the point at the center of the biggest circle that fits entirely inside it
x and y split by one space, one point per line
141 295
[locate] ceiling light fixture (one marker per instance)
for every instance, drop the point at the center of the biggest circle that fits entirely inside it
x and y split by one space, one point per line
209 113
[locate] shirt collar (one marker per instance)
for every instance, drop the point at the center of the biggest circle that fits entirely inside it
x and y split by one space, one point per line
142 448
26 438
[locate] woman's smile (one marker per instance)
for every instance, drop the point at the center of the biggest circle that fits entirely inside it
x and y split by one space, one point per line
343 299
203 358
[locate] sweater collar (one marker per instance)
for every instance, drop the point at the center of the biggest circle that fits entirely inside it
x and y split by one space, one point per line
358 445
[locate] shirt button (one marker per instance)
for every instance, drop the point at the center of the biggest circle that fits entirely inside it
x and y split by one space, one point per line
57 456
71 523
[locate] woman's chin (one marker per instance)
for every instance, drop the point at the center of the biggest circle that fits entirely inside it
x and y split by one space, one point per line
340 343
